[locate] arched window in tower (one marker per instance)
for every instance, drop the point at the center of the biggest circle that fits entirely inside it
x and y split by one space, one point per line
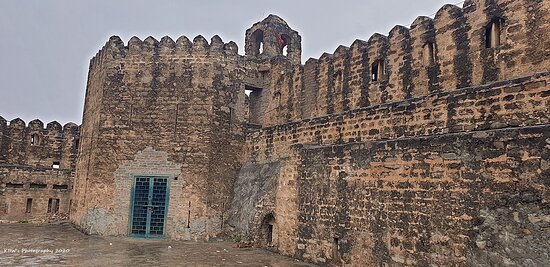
284 43
377 70
493 33
260 48
258 42
429 54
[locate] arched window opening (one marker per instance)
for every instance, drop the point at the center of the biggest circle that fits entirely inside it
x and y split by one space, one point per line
338 79
429 54
493 32
261 48
28 208
377 70
284 43
255 107
277 99
258 36
35 140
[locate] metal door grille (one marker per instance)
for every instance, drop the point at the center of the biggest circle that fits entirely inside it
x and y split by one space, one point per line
159 206
149 203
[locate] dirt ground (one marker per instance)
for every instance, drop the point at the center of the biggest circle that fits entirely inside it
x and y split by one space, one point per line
62 245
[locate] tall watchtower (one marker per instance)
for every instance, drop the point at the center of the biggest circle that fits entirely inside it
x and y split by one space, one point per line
273 37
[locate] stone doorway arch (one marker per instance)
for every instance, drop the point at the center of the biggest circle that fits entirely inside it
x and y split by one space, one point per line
268 231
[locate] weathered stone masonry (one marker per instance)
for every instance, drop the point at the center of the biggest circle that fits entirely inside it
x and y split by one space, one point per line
37 165
455 199
429 146
180 99
332 193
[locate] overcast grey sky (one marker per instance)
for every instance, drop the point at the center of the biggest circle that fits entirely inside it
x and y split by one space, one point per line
47 44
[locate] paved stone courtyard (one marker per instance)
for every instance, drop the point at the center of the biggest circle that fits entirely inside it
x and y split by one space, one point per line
62 245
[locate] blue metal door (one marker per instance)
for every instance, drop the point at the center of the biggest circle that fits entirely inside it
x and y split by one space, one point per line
149 205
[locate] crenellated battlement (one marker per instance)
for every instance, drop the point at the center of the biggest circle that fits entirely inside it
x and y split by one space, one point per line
38 146
181 48
378 138
479 43
482 42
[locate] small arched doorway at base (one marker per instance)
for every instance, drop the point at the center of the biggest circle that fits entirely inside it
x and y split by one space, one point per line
268 232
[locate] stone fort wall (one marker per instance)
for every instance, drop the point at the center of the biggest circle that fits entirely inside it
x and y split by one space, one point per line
37 165
460 153
426 146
